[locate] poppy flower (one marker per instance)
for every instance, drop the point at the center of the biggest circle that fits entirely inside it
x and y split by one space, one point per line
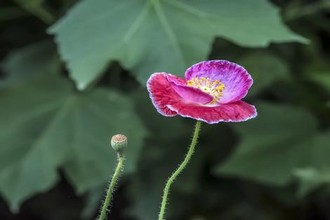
211 92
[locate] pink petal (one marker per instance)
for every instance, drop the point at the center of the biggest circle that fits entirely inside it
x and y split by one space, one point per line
176 80
189 94
232 112
161 93
166 89
236 79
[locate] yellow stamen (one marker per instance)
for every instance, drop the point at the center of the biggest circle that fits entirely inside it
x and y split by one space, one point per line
211 87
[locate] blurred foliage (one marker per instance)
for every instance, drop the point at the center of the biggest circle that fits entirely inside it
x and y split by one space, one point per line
56 117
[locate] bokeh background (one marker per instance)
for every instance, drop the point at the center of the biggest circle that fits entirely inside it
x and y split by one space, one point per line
73 74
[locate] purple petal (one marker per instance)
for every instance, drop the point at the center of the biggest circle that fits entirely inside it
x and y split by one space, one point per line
236 79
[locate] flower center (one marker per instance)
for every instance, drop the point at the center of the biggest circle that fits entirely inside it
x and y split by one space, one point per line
211 87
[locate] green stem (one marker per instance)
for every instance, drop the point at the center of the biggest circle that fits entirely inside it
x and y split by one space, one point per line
179 170
37 10
112 185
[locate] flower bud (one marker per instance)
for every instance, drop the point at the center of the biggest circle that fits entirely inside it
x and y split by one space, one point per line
119 142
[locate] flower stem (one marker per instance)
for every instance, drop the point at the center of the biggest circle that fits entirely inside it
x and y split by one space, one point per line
112 185
179 170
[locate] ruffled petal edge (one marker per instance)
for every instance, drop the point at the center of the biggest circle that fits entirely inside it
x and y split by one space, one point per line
160 93
233 112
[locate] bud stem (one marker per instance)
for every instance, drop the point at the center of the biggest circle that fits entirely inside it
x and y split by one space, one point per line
179 170
112 185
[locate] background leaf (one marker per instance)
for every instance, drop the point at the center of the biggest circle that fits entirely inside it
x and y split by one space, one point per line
59 128
159 35
311 179
29 63
265 69
274 148
322 79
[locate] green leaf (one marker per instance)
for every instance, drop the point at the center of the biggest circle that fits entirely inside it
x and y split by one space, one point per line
311 179
265 69
29 63
45 125
322 79
149 36
280 141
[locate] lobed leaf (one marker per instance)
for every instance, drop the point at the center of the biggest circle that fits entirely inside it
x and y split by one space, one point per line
46 126
148 36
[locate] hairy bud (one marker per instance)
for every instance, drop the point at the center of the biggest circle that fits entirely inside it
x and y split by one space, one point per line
119 142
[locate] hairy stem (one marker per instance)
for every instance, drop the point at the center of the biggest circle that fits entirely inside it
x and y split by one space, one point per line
112 185
179 170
